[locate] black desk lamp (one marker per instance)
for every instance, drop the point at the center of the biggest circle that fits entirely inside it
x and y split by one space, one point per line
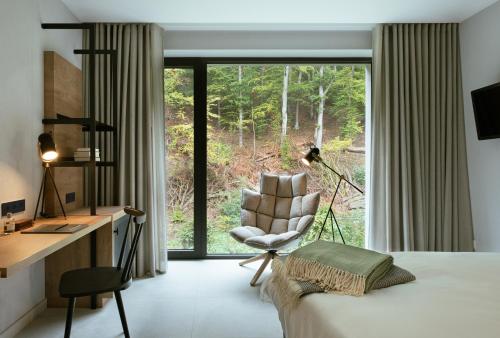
311 156
48 153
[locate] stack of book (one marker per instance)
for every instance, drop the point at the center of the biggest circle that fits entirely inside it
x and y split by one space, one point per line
83 155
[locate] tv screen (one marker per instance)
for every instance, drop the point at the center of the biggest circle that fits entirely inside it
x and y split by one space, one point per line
486 103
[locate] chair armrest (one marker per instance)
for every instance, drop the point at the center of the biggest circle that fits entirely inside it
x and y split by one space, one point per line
310 204
305 223
250 199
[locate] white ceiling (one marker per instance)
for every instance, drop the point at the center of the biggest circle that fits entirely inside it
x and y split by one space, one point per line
280 14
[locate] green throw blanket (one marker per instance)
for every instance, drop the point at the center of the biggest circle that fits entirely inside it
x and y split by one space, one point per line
334 267
396 275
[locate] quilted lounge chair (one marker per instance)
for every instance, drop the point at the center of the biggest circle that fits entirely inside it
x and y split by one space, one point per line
276 216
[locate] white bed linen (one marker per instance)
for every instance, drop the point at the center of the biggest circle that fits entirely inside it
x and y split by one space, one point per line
456 295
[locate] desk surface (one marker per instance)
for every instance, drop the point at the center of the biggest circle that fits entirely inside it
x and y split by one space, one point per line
114 211
21 250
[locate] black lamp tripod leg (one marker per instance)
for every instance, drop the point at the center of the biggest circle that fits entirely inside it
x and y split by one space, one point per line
323 226
42 188
331 223
338 228
44 200
57 192
330 211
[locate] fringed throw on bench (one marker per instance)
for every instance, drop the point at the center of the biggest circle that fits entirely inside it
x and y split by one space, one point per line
331 266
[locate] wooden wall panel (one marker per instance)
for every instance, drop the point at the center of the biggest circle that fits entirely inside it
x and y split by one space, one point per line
73 256
63 95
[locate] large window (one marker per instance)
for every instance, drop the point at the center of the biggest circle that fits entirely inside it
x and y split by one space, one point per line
260 116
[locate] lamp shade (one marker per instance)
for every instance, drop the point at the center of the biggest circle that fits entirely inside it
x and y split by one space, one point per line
312 155
48 151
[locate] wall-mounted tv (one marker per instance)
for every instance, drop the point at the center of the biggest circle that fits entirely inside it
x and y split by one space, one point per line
486 103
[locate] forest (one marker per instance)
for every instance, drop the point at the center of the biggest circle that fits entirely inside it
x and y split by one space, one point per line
263 118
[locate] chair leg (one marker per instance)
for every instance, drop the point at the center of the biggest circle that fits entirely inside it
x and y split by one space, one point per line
267 259
253 259
119 302
69 317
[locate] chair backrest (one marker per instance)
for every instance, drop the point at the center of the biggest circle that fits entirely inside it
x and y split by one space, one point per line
138 217
279 205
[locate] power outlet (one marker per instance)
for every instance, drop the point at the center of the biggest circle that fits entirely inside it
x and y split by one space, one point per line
70 197
13 207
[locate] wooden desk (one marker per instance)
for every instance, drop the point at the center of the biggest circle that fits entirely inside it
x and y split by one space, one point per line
18 250
115 212
91 246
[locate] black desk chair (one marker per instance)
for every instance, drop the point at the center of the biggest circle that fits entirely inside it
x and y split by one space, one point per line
98 280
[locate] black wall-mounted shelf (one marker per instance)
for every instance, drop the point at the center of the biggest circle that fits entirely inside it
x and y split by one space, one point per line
85 122
78 164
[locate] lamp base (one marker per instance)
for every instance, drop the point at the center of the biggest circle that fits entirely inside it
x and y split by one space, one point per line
330 215
41 194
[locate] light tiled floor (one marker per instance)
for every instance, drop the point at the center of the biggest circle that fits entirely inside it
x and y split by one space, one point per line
205 299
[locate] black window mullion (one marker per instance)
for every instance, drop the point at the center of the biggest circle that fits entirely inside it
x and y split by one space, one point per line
200 159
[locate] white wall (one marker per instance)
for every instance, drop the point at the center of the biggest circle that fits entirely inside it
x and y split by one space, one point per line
245 43
480 67
21 111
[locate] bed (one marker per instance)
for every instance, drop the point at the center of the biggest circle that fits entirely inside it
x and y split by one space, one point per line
456 295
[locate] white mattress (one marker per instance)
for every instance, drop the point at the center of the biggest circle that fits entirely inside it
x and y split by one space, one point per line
456 295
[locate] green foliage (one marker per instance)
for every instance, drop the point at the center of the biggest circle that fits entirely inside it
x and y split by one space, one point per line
286 154
183 226
181 139
351 224
349 99
226 218
259 95
359 175
336 145
178 88
228 213
219 153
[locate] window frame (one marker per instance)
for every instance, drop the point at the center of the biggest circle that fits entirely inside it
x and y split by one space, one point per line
199 66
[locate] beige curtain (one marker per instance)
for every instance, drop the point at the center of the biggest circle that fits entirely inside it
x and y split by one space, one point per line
141 127
419 191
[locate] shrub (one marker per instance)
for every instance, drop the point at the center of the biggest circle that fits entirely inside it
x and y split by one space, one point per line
352 225
182 227
219 153
286 154
181 139
359 175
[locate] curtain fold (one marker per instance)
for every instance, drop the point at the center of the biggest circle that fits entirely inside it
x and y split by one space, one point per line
140 123
419 190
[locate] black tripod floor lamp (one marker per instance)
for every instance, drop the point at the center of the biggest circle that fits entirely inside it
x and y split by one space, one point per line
48 153
312 156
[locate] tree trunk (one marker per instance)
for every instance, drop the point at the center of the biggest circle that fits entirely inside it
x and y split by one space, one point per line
240 120
297 104
311 110
254 138
284 104
318 135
